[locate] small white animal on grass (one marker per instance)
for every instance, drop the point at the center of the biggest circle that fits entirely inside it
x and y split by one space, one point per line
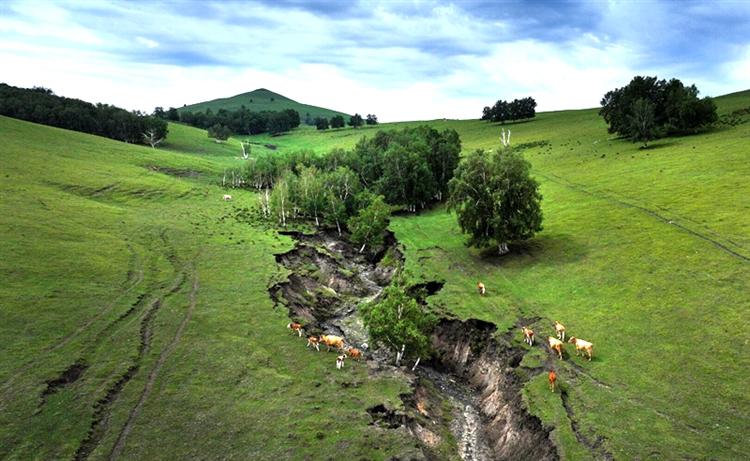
560 330
556 345
582 345
528 335
340 361
227 197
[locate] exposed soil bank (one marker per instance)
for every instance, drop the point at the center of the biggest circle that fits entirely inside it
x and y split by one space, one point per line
469 389
469 351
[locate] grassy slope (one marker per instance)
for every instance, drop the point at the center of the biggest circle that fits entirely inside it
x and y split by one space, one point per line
261 101
644 253
93 238
664 303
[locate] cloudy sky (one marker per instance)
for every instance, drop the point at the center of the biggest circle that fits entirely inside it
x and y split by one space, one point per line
402 60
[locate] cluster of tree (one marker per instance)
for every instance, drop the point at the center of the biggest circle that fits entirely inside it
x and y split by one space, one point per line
400 324
648 108
495 199
410 168
337 121
219 132
503 111
41 105
240 121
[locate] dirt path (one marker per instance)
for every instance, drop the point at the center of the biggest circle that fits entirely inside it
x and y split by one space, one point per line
165 353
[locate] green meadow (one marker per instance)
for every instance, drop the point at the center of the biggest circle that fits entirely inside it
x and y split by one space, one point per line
137 322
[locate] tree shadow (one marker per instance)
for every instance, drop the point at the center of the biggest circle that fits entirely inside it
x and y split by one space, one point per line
658 145
554 249
513 122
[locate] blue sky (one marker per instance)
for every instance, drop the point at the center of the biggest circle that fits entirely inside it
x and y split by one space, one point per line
400 60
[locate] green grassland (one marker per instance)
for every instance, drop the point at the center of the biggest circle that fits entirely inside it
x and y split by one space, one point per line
263 100
114 258
645 252
124 260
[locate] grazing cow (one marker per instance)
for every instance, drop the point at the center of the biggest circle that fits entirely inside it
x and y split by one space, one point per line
552 377
354 353
340 361
313 341
481 288
332 341
294 326
227 197
582 345
560 330
528 335
556 345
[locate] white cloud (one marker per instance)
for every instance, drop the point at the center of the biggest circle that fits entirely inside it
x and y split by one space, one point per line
430 61
148 43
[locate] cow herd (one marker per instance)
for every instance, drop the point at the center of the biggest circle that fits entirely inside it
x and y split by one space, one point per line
330 341
556 344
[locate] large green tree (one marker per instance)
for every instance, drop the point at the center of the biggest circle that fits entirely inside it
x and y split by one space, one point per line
495 199
677 108
368 226
399 323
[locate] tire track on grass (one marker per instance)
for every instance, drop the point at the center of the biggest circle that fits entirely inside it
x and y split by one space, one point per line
134 278
102 407
165 353
608 198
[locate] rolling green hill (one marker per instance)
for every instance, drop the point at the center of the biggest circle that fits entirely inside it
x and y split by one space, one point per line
137 324
263 100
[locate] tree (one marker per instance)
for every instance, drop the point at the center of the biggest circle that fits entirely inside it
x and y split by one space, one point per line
399 323
246 149
281 202
337 121
219 132
642 125
152 138
372 119
356 121
368 226
311 192
321 123
342 185
496 199
676 107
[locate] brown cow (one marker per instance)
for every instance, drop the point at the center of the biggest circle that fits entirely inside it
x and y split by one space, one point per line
354 353
560 330
528 335
582 345
552 377
556 345
332 341
294 326
313 341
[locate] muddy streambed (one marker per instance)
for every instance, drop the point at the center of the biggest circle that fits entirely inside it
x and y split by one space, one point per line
471 375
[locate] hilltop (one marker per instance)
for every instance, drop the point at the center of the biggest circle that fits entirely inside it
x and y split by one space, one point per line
263 100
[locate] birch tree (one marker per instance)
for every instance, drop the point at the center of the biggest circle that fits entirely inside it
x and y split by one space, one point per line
400 324
495 199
